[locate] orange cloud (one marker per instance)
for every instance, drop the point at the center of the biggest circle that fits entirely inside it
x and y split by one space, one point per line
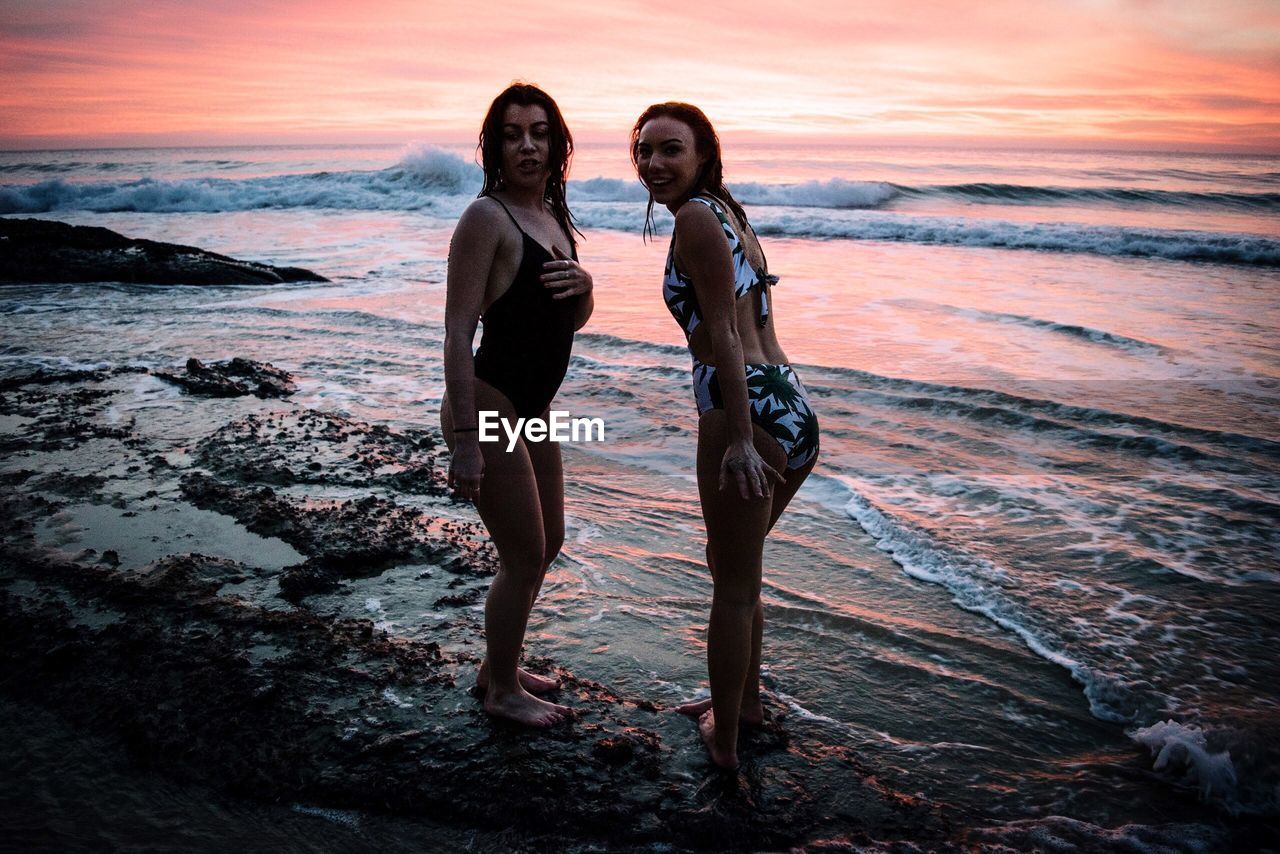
80 71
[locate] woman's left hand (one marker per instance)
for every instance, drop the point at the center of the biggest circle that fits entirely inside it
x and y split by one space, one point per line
566 275
743 465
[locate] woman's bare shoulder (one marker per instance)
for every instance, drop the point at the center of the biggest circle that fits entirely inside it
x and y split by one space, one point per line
482 227
484 211
700 246
695 216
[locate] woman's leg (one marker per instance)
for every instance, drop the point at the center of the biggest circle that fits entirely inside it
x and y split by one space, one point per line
752 710
736 529
510 509
548 473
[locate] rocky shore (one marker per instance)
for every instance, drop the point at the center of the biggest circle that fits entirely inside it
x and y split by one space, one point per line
37 250
217 646
218 672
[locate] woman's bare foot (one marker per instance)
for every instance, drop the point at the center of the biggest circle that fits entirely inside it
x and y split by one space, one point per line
524 708
751 714
707 729
531 682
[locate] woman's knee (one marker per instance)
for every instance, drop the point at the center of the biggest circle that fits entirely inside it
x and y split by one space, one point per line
552 550
524 563
743 594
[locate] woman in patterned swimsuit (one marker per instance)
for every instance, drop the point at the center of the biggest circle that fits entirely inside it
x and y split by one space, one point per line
757 435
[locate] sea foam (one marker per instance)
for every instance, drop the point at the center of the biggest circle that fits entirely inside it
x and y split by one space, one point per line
1181 746
1199 753
1169 244
427 178
435 168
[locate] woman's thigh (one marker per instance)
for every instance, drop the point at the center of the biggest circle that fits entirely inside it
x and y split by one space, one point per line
548 472
784 492
509 502
736 527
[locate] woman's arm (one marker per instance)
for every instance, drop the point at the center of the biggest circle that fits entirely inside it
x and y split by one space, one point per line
471 253
586 305
569 278
704 253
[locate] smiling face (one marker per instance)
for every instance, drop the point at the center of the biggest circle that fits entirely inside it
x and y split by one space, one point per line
526 146
667 159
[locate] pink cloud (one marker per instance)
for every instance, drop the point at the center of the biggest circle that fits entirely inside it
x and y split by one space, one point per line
394 69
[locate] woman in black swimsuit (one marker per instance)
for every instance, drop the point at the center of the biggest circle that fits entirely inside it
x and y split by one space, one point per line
513 263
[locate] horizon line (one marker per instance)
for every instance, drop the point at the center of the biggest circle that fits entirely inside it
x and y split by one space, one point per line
1270 148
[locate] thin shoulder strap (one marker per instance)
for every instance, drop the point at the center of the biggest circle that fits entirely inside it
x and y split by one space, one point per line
747 227
763 257
763 278
716 208
510 214
573 244
719 208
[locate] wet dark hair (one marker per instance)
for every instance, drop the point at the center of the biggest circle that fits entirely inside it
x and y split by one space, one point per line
710 179
560 151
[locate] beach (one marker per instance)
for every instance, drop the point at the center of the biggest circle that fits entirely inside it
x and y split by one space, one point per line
1028 595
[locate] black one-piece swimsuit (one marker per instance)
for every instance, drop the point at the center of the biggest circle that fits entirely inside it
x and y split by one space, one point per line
528 335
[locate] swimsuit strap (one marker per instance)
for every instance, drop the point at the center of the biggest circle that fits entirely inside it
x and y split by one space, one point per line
513 217
573 244
719 207
763 279
772 279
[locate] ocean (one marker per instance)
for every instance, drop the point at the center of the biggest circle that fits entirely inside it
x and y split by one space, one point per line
1036 572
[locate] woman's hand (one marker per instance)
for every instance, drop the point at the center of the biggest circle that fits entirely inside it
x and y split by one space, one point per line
743 464
566 275
466 470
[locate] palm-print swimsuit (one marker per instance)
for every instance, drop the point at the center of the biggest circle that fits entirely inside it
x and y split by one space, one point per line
779 402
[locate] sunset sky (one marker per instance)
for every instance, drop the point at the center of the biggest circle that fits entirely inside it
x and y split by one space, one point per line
1192 75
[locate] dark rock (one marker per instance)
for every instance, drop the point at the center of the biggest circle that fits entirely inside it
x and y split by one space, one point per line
398 741
61 410
615 750
306 446
194 572
234 378
456 600
350 539
70 485
43 377
306 579
36 250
